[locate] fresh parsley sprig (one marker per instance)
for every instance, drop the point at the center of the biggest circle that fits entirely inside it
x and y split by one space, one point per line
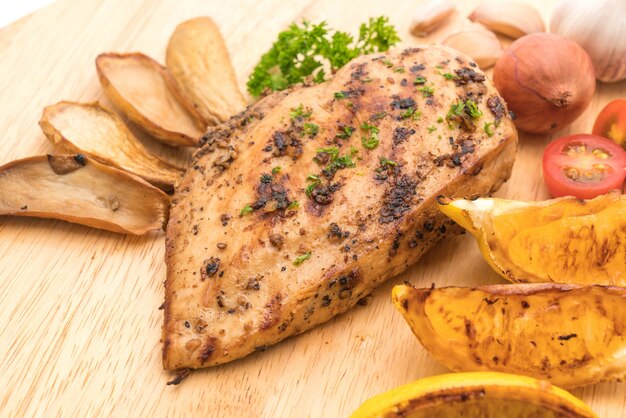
303 50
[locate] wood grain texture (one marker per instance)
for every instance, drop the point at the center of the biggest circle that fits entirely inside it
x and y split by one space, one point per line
81 326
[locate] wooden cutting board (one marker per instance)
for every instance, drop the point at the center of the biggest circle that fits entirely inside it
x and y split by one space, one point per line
80 325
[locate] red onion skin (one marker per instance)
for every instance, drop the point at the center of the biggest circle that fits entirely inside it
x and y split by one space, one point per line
547 81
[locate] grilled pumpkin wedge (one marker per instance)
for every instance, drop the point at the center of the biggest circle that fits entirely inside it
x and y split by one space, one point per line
570 335
562 240
483 394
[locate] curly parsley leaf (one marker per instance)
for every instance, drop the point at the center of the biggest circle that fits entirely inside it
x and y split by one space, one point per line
246 210
310 129
314 182
302 258
371 141
345 132
488 127
426 91
303 50
376 35
300 112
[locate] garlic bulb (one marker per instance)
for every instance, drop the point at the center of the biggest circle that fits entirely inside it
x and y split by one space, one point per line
599 27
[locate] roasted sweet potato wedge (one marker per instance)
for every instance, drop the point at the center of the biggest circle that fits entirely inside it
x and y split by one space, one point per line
570 335
475 395
144 91
562 240
90 129
78 189
198 60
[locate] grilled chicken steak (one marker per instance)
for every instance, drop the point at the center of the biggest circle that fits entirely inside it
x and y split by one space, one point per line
298 207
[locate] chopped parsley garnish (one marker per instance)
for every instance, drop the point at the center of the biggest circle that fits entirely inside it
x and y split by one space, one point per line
300 111
384 162
371 141
388 63
385 168
301 259
472 109
293 205
489 128
335 162
426 91
377 116
456 109
399 70
344 161
345 132
440 67
468 107
431 129
311 129
276 169
315 181
340 95
369 127
410 113
266 178
449 76
333 152
439 119
464 113
246 210
306 49
419 80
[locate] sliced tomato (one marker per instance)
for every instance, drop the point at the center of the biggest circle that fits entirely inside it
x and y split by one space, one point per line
611 122
583 166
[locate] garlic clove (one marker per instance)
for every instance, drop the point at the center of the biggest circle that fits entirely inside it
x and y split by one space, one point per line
481 45
509 18
430 16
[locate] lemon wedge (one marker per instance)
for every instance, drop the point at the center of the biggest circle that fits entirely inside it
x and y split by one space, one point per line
563 240
474 395
571 335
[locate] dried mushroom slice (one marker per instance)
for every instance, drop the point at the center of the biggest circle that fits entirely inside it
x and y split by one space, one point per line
78 189
89 128
144 91
198 60
570 335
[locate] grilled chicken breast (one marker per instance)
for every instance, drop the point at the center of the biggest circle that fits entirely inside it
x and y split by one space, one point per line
297 208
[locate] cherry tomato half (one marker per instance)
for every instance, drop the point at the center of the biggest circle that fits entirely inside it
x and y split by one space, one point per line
583 166
611 122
